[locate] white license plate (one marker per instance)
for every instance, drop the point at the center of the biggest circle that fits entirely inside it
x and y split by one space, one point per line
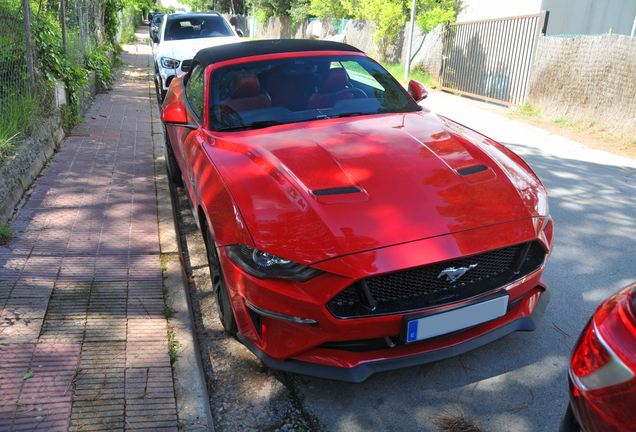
456 319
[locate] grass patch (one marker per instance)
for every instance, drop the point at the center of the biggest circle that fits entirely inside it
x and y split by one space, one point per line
397 70
5 234
526 110
164 259
168 313
173 347
18 113
565 122
128 34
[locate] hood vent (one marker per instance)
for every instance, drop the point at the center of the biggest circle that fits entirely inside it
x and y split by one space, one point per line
472 170
336 191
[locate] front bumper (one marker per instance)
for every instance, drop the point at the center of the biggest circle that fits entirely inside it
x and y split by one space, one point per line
517 321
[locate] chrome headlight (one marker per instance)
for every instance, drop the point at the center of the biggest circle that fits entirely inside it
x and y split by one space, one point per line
264 265
169 63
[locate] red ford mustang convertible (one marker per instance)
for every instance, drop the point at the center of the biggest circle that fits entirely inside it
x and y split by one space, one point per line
349 230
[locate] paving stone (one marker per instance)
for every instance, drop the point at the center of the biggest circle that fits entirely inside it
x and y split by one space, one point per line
5 289
145 289
100 355
11 386
16 356
32 288
99 384
149 383
23 308
105 330
76 287
145 308
101 415
48 417
147 354
20 331
71 304
7 414
63 331
76 268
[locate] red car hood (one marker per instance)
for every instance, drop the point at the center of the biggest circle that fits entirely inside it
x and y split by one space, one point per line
409 169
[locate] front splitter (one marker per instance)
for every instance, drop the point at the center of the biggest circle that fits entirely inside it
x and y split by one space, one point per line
361 372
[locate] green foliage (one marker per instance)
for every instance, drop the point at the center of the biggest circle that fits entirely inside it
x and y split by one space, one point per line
111 20
388 15
329 9
173 347
19 113
299 10
526 110
168 313
397 70
99 62
5 235
434 12
47 40
261 16
276 8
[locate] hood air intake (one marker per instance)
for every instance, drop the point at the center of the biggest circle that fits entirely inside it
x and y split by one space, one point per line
336 191
472 170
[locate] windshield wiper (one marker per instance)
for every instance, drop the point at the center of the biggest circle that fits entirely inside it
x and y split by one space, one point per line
352 114
253 125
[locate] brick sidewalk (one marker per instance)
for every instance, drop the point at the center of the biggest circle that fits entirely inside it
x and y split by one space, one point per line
81 292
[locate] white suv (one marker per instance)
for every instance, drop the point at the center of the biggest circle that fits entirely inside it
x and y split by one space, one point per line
180 37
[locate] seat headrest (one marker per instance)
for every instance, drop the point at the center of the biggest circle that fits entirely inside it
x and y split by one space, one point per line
336 79
246 86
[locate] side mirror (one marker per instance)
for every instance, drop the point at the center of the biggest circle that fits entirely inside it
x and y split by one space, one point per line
417 90
155 37
175 114
239 32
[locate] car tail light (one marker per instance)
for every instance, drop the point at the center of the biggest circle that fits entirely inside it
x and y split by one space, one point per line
590 354
602 366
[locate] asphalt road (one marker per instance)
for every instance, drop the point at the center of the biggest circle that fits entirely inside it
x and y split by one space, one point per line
517 383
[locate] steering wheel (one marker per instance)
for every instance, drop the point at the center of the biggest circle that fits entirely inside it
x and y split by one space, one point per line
352 90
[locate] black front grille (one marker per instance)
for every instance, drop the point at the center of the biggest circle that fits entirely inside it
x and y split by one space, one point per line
427 286
186 65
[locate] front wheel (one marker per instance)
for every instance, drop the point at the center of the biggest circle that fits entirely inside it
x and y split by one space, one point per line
221 295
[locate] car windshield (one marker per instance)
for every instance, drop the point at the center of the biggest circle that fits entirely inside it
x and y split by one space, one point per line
271 92
196 27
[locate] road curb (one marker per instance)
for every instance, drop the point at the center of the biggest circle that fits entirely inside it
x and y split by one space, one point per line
193 402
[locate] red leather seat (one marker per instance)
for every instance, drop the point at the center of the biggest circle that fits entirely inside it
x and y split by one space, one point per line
336 80
247 95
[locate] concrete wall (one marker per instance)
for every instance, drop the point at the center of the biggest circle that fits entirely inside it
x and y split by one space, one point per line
591 78
590 16
275 28
426 49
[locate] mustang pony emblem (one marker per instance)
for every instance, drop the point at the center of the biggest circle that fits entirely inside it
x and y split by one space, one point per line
452 273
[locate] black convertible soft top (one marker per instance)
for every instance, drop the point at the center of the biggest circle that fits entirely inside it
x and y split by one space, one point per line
233 51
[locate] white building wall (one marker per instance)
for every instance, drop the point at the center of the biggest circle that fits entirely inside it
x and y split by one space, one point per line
475 10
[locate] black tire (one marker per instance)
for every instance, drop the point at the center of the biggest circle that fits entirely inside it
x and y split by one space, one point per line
174 172
221 295
161 93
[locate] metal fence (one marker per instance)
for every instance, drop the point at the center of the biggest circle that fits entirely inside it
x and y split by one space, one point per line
14 74
492 59
21 84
